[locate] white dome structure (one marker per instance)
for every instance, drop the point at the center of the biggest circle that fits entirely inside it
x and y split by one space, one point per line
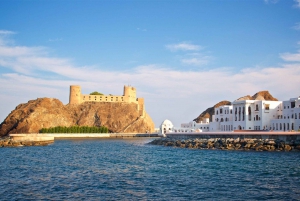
166 126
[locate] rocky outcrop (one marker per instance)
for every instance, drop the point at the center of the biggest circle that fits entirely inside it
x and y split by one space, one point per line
230 144
8 142
210 111
261 95
49 112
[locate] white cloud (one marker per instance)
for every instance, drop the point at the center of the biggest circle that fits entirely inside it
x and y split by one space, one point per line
297 26
195 59
5 32
177 95
184 46
140 29
297 5
271 1
291 57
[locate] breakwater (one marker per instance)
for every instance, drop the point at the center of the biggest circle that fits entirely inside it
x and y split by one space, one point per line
254 144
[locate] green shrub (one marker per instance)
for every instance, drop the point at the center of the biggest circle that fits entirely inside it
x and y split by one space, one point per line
75 129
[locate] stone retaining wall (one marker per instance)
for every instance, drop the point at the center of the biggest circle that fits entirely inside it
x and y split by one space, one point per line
231 144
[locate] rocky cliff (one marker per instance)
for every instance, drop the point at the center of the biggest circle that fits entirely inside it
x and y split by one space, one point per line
261 95
49 112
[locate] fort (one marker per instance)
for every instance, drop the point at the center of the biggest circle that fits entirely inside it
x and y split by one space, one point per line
129 96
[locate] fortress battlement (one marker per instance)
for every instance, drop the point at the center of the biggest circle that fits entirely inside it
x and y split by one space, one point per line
129 96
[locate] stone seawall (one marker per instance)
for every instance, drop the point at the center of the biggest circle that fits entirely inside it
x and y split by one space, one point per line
231 144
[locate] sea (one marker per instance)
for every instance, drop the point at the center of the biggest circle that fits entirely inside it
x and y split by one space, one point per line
131 169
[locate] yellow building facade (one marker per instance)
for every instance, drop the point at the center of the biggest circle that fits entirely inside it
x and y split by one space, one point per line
129 96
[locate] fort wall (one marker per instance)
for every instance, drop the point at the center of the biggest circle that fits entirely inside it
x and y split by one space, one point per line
129 96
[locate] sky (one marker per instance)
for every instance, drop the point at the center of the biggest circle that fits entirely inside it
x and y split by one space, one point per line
181 56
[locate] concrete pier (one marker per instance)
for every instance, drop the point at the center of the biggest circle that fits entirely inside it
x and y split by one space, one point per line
53 136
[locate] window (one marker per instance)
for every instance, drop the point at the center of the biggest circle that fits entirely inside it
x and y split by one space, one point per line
217 112
221 110
249 113
292 104
295 115
267 106
231 111
256 107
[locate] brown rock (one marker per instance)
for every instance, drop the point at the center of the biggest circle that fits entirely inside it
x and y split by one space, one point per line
287 148
49 112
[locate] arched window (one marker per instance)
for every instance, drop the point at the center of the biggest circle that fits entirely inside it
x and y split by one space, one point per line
217 112
287 126
222 119
295 115
280 126
256 107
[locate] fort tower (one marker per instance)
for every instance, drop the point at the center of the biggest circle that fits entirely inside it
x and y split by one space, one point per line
75 94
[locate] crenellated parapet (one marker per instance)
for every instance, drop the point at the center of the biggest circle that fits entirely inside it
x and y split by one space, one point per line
129 96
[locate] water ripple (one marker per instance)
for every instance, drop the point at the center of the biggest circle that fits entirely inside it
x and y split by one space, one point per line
132 170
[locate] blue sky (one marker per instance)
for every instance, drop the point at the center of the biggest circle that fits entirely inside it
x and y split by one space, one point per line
182 56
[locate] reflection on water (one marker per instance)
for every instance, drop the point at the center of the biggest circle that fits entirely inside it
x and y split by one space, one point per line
118 169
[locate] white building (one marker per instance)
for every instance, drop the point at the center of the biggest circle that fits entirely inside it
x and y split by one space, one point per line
222 120
288 116
166 126
247 115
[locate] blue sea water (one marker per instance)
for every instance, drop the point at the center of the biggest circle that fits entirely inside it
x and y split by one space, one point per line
130 169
